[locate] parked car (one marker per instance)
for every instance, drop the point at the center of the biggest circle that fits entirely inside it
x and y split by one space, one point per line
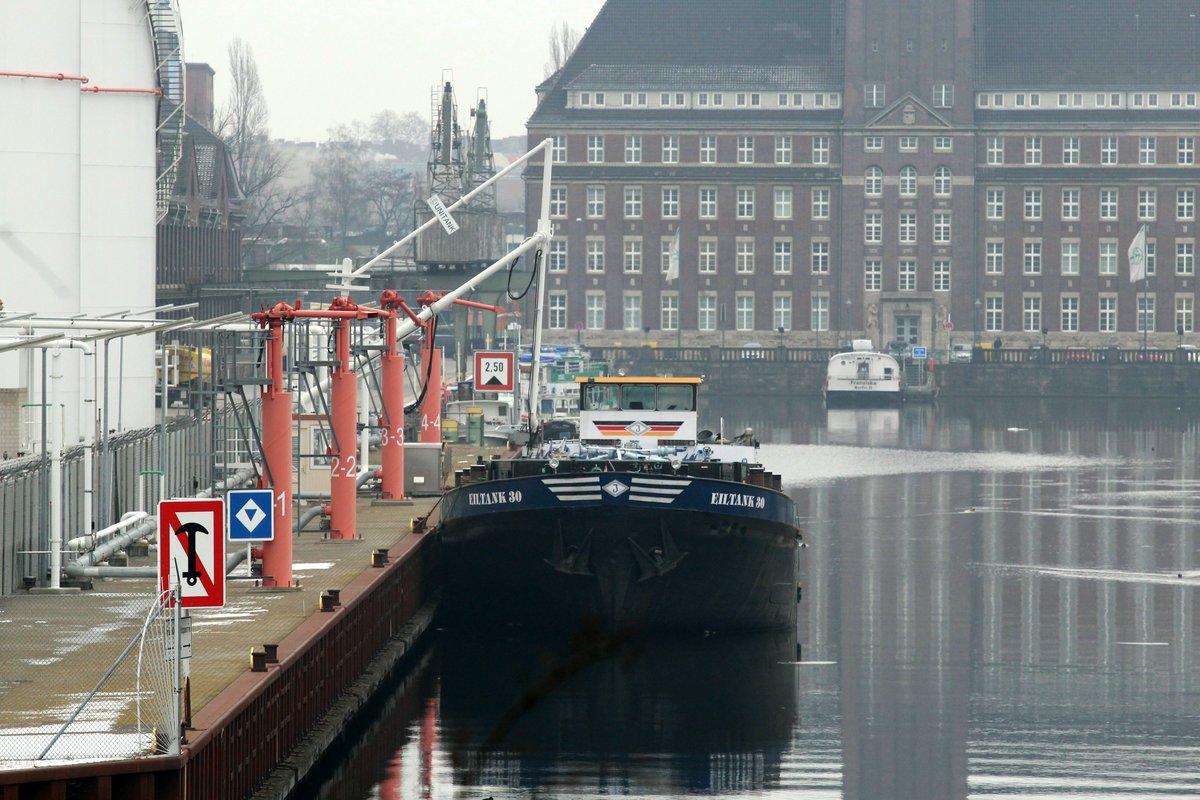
753 350
1188 353
1038 352
1077 355
960 352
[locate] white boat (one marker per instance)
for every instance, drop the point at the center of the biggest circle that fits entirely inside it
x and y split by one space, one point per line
863 376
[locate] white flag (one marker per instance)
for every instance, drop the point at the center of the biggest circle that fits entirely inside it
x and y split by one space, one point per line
1137 257
673 263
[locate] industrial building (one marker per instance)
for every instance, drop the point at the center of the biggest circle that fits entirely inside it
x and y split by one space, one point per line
929 171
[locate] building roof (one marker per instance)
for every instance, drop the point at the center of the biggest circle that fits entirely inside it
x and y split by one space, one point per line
721 39
1110 44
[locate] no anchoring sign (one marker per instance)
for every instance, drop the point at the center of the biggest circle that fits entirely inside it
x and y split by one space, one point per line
191 550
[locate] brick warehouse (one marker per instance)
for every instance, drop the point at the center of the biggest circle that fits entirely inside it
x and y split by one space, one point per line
915 169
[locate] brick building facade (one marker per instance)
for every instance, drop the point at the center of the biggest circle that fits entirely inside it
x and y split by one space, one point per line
920 170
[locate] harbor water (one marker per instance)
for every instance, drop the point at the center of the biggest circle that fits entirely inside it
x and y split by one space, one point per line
999 601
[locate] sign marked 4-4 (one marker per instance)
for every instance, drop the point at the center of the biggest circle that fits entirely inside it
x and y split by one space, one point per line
494 371
191 550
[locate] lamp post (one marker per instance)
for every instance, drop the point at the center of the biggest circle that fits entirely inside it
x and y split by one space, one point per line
849 334
976 325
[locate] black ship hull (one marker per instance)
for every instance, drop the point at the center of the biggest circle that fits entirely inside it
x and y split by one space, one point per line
618 549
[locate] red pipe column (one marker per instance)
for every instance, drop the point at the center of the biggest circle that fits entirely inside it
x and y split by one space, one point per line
277 452
431 406
343 469
392 458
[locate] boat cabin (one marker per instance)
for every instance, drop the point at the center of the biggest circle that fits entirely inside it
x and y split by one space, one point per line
637 413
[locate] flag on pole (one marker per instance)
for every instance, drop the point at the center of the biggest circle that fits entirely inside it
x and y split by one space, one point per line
1137 257
673 262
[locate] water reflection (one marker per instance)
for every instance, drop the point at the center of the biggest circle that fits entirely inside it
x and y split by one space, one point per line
999 600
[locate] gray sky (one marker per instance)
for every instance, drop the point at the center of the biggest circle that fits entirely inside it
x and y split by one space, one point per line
327 63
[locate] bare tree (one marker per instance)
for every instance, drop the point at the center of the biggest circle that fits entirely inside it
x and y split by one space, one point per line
339 180
563 39
390 194
242 124
389 128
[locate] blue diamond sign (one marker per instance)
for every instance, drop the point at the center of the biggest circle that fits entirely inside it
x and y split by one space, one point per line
250 515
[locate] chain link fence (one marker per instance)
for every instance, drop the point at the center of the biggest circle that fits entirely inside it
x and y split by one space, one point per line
116 695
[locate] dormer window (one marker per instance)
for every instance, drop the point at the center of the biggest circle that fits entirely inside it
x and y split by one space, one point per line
585 98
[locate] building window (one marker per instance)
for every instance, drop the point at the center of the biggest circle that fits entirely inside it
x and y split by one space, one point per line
995 150
745 202
595 149
595 201
558 149
595 311
993 313
872 275
872 143
783 202
670 202
873 95
1147 204
941 227
595 254
1032 317
745 149
820 312
1070 203
783 149
1068 320
1070 152
1069 264
670 149
943 95
1185 204
632 312
1108 257
633 149
995 202
994 257
1033 256
1185 318
1185 150
820 256
1108 314
633 202
1033 150
908 181
557 318
708 149
908 227
941 275
1145 307
1185 255
820 150
943 143
665 245
1151 247
1108 204
942 182
707 261
744 262
873 227
820 202
782 312
558 255
558 201
1148 150
1033 203
1108 150
908 275
873 182
708 202
744 312
668 315
706 308
783 256
908 144
633 255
